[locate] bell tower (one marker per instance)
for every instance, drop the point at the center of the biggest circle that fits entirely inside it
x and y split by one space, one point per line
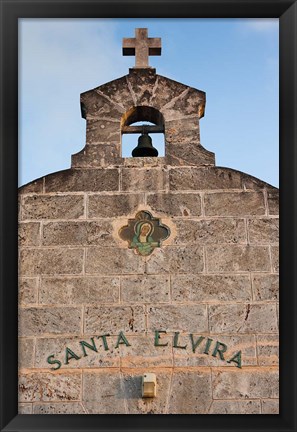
173 108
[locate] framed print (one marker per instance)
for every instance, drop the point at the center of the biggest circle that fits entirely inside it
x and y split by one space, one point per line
145 277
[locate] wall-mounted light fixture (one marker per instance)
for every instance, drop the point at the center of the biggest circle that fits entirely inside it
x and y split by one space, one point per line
149 385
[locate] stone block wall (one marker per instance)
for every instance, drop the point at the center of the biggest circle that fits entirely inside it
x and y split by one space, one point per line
214 278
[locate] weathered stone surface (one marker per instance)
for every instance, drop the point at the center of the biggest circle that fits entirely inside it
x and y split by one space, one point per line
241 318
78 233
95 105
56 320
94 290
175 204
190 392
19 207
190 153
103 130
188 103
275 258
234 203
57 290
265 286
36 186
51 261
79 290
210 231
204 178
47 386
189 318
56 346
270 406
113 319
26 353
144 353
27 290
117 91
98 155
186 357
24 408
132 384
253 183
268 349
167 90
250 383
210 288
154 289
273 202
103 393
59 408
263 231
235 407
176 259
108 261
143 162
90 180
53 207
144 179
29 234
110 206
236 258
142 83
181 132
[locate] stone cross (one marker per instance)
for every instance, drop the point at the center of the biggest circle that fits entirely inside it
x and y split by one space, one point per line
142 47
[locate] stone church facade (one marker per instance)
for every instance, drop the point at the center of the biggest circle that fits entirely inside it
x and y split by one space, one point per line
194 302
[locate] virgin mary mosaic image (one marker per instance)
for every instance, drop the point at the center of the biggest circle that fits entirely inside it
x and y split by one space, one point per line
142 240
144 233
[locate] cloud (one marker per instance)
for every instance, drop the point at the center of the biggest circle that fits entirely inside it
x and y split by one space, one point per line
262 24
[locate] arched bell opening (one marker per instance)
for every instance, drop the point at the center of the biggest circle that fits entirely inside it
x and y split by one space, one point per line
147 124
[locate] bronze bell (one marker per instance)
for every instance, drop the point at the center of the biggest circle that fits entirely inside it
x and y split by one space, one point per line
144 147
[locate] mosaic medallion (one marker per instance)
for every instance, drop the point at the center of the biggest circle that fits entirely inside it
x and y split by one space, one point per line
144 233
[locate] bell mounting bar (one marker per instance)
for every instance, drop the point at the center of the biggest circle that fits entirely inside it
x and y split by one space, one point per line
142 129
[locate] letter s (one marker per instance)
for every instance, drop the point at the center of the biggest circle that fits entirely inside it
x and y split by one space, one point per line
50 361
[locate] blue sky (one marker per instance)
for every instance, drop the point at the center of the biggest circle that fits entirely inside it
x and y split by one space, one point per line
235 61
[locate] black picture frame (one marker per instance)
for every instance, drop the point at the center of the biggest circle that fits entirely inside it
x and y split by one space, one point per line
11 11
